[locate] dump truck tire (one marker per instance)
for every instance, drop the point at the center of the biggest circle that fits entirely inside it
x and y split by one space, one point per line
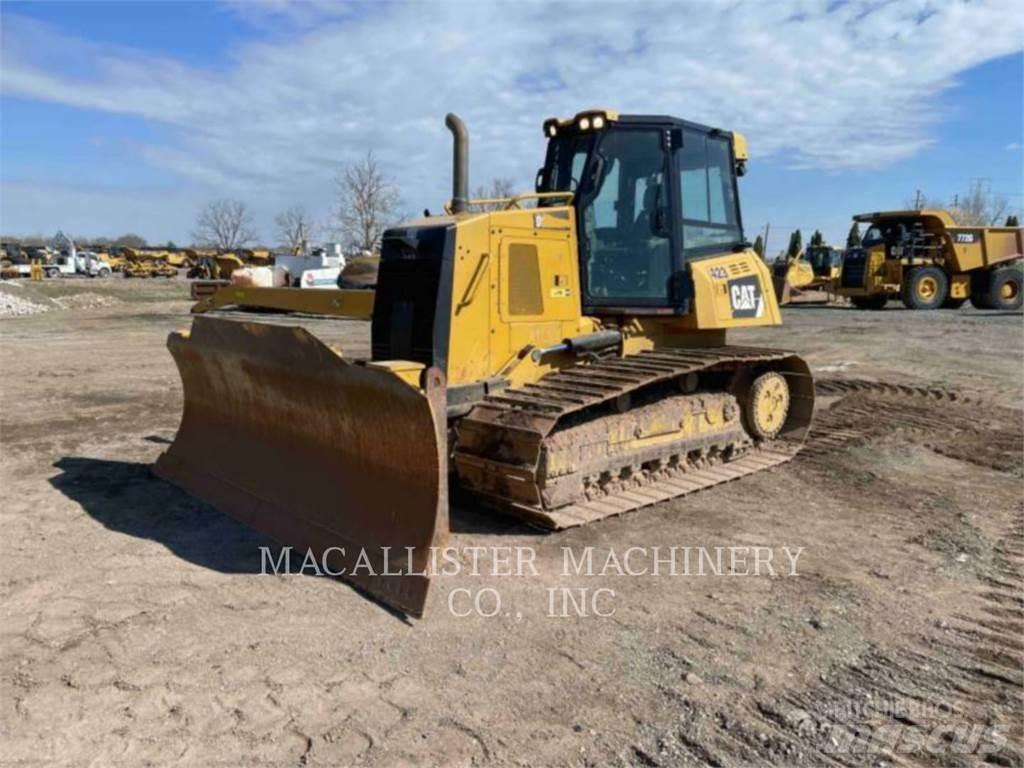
1004 289
924 288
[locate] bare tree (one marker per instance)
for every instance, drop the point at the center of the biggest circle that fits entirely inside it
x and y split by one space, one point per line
294 227
224 224
500 188
978 208
367 203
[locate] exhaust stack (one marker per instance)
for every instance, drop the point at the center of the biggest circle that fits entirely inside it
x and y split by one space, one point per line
460 162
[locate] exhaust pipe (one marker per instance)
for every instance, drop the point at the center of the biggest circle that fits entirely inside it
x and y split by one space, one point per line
460 162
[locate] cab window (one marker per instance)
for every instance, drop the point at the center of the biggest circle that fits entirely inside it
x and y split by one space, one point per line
625 226
872 236
564 165
706 179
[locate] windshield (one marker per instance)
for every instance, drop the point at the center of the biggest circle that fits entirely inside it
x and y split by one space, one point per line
567 155
823 257
872 236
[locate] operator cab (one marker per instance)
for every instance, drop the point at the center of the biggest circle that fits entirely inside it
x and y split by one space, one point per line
823 259
651 193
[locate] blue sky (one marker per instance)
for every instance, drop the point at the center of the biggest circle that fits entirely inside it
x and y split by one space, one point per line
129 116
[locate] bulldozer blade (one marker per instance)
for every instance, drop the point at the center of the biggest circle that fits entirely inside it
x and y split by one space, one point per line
343 460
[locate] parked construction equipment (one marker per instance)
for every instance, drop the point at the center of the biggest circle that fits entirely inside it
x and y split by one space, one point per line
923 258
809 277
568 351
62 258
140 262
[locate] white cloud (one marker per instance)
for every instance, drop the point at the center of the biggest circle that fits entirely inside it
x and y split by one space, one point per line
818 84
1013 146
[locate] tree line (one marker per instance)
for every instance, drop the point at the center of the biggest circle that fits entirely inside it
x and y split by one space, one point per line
368 203
129 240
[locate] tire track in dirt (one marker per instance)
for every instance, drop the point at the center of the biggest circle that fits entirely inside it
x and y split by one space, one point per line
958 426
954 692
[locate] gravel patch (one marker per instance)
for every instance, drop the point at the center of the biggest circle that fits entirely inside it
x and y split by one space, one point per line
85 301
16 306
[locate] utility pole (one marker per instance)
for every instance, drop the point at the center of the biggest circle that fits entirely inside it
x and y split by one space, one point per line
764 244
917 200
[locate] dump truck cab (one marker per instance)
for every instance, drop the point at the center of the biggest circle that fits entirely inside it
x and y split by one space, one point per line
926 260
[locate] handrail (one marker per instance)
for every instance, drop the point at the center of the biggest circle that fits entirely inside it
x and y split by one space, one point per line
513 202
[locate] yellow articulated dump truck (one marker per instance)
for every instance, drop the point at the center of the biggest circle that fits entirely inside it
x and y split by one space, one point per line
927 261
562 358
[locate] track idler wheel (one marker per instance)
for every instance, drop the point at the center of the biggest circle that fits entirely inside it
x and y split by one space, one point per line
766 405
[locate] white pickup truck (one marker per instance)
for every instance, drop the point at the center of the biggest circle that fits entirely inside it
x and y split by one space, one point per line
317 268
68 261
79 263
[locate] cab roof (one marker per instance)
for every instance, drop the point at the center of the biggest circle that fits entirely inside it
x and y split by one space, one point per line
666 121
613 116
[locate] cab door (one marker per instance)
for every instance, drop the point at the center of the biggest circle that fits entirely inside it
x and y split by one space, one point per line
626 237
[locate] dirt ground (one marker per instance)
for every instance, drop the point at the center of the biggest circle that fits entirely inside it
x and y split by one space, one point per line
137 628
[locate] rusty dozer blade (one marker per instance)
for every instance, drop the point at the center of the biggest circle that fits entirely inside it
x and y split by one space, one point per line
346 460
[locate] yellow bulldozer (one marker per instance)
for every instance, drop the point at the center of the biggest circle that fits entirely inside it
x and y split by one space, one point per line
810 277
562 359
923 258
144 263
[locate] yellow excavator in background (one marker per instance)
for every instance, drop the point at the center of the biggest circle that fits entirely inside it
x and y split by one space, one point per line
566 354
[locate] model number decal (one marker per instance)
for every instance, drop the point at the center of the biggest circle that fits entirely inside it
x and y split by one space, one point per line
718 273
967 237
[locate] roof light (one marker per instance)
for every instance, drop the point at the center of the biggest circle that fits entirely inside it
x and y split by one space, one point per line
598 122
584 123
552 130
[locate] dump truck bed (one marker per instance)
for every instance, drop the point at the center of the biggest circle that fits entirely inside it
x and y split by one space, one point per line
980 247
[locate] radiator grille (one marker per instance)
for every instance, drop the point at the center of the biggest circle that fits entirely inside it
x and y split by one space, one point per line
852 275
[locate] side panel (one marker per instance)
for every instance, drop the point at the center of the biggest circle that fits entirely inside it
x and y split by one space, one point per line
515 283
965 244
734 291
981 247
1002 244
473 286
537 295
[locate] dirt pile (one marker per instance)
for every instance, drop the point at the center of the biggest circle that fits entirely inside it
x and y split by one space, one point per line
17 300
12 305
85 300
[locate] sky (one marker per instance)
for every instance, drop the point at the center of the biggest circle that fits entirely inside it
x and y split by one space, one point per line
131 116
